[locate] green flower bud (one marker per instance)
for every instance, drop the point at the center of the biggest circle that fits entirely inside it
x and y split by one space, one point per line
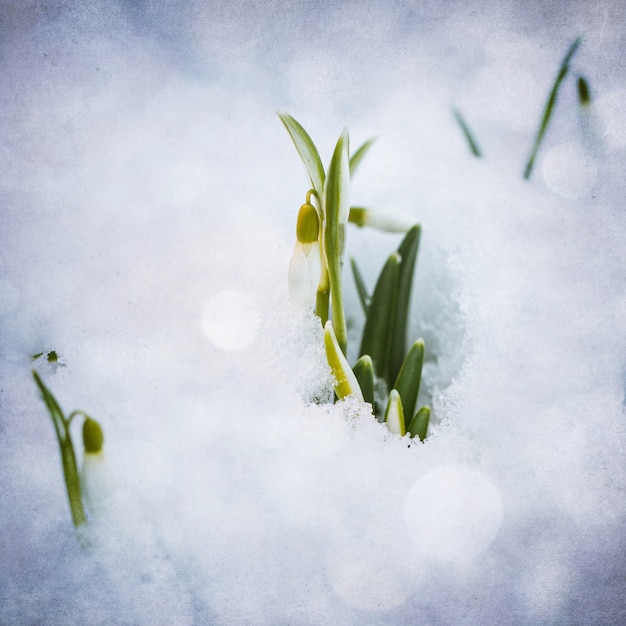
93 438
308 225
584 94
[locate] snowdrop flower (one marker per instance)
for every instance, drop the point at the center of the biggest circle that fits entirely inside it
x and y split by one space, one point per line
388 221
94 475
305 267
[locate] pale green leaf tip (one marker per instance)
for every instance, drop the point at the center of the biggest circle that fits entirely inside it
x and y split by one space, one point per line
394 414
346 382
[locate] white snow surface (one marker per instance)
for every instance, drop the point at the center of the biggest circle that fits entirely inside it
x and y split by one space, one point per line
149 196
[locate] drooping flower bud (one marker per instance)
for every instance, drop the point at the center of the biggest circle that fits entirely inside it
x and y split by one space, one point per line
93 438
305 267
94 476
308 224
388 221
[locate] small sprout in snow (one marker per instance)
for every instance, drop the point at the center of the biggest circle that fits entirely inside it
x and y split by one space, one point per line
92 439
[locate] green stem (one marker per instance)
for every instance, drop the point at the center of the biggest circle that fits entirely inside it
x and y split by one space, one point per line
322 305
68 457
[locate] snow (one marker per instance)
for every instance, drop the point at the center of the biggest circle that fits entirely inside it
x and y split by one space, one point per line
149 198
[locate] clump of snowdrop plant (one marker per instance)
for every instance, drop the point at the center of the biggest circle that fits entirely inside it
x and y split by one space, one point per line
77 484
385 374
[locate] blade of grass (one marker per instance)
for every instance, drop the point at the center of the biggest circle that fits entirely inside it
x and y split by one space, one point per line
547 113
469 137
357 157
307 151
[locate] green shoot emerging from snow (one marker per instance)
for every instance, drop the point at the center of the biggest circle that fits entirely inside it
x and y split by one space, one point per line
584 98
315 279
547 113
92 440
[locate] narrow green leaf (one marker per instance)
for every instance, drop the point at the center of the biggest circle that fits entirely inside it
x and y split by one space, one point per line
346 382
357 157
364 371
56 414
336 210
394 414
547 113
380 320
72 482
360 285
469 137
419 424
307 151
410 376
337 184
408 255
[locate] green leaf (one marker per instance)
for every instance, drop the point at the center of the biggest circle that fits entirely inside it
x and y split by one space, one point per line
547 113
56 414
379 324
346 383
469 137
419 424
410 376
394 414
364 371
336 210
360 285
307 151
408 255
357 157
337 184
